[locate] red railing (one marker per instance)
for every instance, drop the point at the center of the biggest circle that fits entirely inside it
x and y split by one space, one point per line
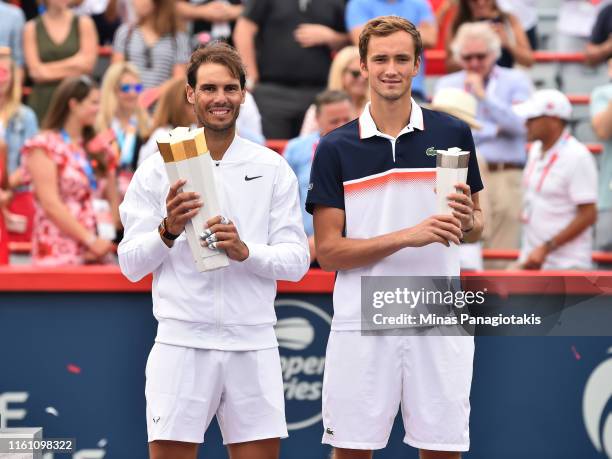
108 279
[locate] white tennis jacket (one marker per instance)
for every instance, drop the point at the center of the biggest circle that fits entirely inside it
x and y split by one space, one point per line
230 308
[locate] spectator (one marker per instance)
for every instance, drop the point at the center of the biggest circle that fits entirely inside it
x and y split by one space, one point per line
332 110
286 47
5 197
64 180
599 49
212 19
172 110
17 124
344 75
12 21
358 12
601 118
105 15
57 44
574 24
526 11
444 11
501 140
121 113
154 44
560 188
514 43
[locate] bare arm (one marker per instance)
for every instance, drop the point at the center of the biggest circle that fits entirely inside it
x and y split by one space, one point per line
81 63
215 11
244 39
596 54
520 49
585 217
112 195
602 123
336 252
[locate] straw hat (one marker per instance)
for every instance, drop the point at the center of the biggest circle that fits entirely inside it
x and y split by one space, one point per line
458 103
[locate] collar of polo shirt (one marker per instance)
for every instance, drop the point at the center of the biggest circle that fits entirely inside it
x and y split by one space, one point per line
367 126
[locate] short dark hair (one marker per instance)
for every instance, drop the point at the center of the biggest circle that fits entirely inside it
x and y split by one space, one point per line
384 26
329 96
216 52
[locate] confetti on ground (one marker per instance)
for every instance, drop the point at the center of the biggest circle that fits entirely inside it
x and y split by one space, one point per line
575 353
102 443
52 411
73 368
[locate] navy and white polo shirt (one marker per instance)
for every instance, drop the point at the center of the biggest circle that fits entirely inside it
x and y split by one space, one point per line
386 184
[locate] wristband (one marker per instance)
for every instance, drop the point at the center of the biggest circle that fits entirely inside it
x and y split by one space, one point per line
163 231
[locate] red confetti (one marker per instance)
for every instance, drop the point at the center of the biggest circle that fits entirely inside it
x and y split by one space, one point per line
576 353
73 368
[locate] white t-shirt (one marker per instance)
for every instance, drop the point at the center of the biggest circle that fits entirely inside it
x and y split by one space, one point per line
577 17
555 183
525 10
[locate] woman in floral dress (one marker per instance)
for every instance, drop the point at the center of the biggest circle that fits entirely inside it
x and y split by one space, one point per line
4 200
64 179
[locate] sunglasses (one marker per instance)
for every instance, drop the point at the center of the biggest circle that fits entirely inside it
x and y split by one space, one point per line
478 56
354 73
126 88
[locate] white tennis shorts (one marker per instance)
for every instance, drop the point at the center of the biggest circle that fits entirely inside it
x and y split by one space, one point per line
186 387
368 378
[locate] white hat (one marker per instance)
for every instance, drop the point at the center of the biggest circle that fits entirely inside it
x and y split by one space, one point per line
458 103
545 102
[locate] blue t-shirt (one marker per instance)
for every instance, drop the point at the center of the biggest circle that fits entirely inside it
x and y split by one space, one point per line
358 12
600 98
299 154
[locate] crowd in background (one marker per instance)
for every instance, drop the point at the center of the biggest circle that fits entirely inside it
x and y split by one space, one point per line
68 148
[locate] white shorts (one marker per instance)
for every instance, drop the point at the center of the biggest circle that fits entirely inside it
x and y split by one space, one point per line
367 378
186 387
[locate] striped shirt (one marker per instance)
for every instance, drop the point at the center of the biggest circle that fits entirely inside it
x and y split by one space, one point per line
155 63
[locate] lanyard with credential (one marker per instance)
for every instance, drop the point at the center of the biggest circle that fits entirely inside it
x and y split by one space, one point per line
82 160
553 158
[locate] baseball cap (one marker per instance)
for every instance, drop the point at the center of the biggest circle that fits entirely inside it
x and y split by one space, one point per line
545 102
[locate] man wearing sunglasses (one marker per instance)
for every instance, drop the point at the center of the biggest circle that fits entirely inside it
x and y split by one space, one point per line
501 141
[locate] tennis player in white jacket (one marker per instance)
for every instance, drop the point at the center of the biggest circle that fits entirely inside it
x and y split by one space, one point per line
215 350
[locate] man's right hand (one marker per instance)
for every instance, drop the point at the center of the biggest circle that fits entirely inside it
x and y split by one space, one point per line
99 248
439 228
180 207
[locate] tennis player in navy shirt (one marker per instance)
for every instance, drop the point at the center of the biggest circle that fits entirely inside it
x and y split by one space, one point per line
372 194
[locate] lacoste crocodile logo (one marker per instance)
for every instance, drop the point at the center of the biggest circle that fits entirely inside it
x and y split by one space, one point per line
431 151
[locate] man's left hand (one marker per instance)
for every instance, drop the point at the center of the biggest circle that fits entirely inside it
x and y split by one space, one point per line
536 258
225 236
463 206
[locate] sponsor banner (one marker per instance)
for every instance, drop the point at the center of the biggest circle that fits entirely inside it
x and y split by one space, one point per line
73 364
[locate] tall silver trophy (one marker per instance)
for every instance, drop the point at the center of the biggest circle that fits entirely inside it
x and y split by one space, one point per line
451 168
